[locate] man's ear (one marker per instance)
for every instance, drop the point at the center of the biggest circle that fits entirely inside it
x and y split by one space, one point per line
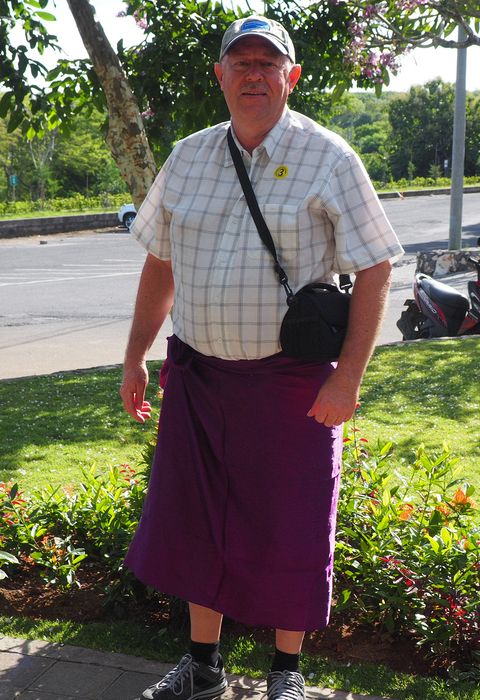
294 75
219 73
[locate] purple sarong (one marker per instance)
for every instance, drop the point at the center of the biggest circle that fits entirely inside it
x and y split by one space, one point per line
241 506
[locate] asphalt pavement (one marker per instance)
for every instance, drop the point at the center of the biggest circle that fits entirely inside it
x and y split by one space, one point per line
66 302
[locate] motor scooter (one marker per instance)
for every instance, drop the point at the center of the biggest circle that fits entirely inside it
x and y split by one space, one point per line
439 310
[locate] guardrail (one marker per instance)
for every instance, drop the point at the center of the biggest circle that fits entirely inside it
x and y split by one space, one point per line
14 228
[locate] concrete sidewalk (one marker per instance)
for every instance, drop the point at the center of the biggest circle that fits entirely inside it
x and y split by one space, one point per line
34 670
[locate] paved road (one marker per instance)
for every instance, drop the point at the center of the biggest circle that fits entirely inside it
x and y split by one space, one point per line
66 300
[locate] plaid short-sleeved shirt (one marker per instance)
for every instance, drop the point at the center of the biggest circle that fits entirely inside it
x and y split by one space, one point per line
317 200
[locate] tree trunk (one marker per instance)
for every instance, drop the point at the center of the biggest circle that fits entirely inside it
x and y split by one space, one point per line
126 136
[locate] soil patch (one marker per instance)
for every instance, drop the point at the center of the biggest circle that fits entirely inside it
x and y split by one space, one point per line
26 594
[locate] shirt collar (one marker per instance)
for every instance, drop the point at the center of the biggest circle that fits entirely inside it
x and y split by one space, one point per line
271 140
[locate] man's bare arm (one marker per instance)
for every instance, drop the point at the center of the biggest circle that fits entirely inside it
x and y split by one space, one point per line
153 303
336 400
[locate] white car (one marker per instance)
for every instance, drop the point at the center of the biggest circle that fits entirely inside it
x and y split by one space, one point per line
127 214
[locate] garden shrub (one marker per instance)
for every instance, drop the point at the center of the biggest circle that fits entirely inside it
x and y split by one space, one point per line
407 556
59 528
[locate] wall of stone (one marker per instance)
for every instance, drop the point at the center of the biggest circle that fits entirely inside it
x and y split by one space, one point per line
437 263
13 228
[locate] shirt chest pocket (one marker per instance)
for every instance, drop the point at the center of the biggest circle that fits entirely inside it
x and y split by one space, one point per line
282 220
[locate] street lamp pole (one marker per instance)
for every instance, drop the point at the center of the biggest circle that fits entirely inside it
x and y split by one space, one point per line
458 147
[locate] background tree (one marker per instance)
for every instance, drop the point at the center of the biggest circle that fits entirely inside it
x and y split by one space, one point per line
421 129
340 44
80 161
382 31
125 134
171 72
23 99
362 119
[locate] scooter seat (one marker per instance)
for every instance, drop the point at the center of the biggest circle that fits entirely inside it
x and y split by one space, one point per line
443 295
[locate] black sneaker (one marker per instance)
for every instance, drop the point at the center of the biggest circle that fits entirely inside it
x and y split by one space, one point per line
285 685
189 680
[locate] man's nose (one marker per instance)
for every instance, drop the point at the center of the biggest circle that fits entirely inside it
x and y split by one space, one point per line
255 72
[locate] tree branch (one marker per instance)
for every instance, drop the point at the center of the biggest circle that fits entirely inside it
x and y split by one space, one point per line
126 135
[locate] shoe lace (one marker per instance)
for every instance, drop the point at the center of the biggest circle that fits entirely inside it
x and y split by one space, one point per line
285 685
175 679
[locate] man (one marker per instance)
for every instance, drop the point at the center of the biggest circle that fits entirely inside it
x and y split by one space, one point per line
240 513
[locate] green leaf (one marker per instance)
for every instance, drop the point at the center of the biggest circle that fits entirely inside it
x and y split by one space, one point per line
46 16
446 537
10 558
15 120
386 448
433 543
5 103
383 524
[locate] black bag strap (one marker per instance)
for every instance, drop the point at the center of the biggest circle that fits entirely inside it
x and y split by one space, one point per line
260 223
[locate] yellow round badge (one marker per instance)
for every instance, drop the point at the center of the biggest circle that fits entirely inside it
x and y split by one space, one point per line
281 172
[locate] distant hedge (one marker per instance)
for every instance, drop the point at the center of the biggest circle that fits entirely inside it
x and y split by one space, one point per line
78 203
422 182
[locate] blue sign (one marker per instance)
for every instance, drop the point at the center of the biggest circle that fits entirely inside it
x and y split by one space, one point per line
13 180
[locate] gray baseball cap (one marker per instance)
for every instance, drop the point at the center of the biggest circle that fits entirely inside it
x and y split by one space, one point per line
258 26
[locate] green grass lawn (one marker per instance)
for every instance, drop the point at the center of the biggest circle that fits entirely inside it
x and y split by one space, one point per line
425 392
52 427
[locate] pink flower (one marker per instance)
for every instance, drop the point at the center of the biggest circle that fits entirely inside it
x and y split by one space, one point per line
139 21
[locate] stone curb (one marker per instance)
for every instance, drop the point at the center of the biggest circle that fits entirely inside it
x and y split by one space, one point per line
419 193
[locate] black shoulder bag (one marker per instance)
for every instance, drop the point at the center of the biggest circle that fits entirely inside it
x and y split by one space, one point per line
315 324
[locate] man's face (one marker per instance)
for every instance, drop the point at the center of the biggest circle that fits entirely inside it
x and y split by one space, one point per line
256 80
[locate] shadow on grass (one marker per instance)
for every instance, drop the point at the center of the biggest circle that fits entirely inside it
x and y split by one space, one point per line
67 408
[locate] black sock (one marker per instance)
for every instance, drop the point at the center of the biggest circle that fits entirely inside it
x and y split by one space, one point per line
205 653
285 662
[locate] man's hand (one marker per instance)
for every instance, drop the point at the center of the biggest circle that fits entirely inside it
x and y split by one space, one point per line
154 301
132 391
336 401
338 397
